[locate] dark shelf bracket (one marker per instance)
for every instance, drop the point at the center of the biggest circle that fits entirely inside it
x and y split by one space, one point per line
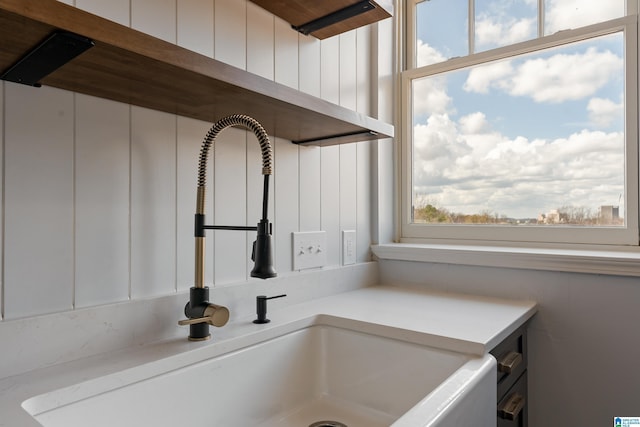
335 17
340 138
58 49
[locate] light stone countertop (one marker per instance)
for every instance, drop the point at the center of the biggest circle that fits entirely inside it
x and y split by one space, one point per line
461 323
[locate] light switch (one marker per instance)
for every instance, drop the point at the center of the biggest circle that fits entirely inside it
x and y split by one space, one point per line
308 249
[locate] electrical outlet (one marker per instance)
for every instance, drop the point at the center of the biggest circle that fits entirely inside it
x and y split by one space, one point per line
348 247
309 249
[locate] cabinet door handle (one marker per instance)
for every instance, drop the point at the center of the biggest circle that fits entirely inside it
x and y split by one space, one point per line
509 362
512 407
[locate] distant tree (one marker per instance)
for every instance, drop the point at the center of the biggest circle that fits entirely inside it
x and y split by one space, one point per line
567 215
577 215
430 213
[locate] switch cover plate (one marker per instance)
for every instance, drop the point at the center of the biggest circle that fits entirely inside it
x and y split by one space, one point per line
309 249
348 247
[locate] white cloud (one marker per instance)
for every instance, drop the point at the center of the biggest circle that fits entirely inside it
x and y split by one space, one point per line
603 112
437 139
436 150
481 78
474 123
467 167
427 55
493 31
563 77
430 96
554 79
566 14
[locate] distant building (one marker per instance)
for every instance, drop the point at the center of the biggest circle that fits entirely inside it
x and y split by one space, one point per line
551 217
609 214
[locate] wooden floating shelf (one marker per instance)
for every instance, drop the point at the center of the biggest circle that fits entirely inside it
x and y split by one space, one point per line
129 66
301 12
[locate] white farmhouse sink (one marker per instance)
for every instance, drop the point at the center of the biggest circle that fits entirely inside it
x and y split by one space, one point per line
312 374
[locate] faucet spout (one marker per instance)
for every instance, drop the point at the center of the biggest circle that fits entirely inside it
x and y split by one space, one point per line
262 248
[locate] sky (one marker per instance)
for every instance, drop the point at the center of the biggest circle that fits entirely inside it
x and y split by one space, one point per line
523 136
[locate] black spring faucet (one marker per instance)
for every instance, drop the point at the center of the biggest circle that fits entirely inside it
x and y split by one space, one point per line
199 311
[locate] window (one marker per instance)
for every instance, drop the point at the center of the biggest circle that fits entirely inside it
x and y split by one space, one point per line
520 121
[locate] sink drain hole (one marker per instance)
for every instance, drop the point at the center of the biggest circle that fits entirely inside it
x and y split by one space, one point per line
327 424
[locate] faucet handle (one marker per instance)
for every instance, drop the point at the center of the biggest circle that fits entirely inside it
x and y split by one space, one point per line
215 315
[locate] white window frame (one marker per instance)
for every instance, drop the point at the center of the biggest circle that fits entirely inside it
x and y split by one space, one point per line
591 238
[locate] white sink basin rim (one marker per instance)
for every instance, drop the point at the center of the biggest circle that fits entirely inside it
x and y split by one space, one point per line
313 374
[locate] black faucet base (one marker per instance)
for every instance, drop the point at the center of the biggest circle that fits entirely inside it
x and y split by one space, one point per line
199 332
198 302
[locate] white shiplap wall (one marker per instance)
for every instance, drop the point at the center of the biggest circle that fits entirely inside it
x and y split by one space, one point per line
99 195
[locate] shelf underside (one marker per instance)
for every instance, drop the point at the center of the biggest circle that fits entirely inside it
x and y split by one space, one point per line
300 12
128 66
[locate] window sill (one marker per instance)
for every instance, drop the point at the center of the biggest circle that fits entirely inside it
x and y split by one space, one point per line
592 261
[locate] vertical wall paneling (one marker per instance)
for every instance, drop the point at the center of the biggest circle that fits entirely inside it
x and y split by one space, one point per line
348 189
38 227
385 86
190 135
231 253
155 17
364 173
286 201
309 49
101 201
385 186
309 64
260 41
348 76
286 54
255 182
114 10
363 201
195 25
377 176
230 32
385 111
383 156
128 187
309 160
153 202
330 69
363 69
330 202
348 152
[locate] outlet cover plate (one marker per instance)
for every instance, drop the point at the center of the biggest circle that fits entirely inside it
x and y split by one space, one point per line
309 249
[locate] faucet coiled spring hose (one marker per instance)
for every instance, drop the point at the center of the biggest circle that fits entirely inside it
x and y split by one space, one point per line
265 146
